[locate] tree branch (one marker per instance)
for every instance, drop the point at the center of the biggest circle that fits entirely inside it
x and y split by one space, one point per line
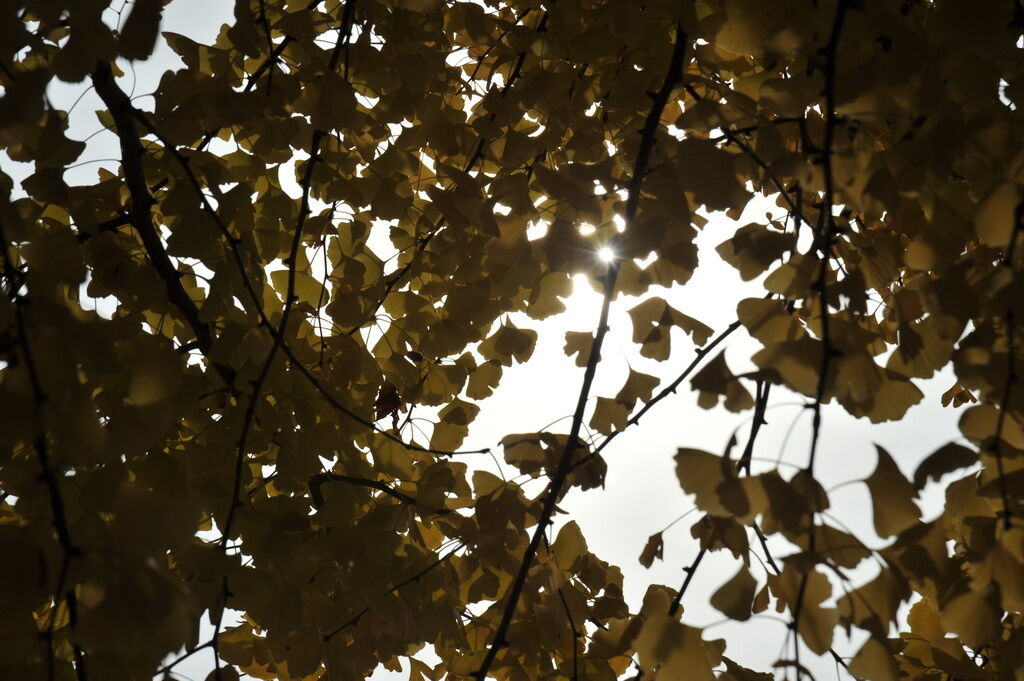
47 474
318 480
233 246
671 388
477 154
825 235
575 636
1004 406
249 417
690 571
555 488
408 580
139 214
760 405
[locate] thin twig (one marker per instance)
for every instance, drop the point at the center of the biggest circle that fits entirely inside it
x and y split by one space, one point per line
764 547
248 418
233 245
391 589
48 475
254 77
317 481
761 391
1011 374
291 262
271 57
575 636
825 236
690 571
398 276
1004 407
181 658
670 389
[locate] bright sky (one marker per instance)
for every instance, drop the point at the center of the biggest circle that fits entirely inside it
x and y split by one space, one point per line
642 495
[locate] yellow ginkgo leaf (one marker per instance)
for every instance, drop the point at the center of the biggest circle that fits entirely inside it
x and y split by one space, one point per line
735 598
892 497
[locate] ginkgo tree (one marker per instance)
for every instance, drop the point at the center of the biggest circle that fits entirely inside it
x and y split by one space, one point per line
328 217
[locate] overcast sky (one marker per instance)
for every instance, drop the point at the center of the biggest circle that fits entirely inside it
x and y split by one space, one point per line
642 495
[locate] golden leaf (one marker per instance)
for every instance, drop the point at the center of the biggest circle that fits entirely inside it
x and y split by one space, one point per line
892 497
735 598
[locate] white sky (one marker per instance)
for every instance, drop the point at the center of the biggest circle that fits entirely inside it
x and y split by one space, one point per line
642 495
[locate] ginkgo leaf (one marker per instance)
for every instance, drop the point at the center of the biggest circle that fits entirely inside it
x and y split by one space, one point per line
388 401
698 331
768 321
980 423
892 497
525 452
155 374
392 458
609 416
715 380
945 459
569 545
139 31
753 248
873 606
638 386
923 619
734 599
761 600
742 32
509 343
874 661
994 221
817 623
737 672
297 654
485 483
307 287
972 618
957 395
793 278
716 532
1004 566
448 436
578 343
840 546
702 474
652 322
484 379
654 548
223 673
709 173
673 649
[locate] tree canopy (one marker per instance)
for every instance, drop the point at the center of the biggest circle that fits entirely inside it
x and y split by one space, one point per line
327 219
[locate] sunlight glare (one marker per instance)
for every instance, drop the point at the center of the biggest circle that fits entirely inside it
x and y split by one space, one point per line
606 254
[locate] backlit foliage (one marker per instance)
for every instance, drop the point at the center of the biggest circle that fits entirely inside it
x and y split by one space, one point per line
324 221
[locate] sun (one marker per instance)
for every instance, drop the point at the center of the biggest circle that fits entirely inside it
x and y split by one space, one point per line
606 254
